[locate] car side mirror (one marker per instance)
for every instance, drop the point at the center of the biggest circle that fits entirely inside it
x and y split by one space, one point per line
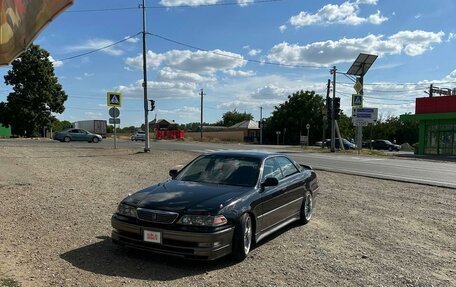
173 173
270 181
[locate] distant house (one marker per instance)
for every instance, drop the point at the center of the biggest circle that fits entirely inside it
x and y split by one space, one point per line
250 129
162 125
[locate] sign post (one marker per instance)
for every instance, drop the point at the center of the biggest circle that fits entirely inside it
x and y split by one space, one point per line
114 100
278 134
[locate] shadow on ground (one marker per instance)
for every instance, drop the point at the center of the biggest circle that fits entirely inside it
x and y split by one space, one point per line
106 258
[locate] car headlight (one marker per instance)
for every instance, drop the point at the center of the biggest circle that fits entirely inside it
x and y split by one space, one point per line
203 220
127 210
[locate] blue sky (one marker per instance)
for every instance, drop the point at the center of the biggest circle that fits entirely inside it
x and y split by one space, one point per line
415 41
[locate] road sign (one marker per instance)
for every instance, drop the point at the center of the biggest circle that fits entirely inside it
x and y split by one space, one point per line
357 100
304 140
358 87
369 115
308 126
114 112
111 121
114 99
360 123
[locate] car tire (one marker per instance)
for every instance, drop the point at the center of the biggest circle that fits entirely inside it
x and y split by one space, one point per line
390 148
67 139
306 208
243 238
95 140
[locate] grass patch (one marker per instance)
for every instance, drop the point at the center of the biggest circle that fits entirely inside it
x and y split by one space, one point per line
9 283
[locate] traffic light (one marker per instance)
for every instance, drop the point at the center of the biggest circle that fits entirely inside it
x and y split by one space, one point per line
329 107
337 108
152 105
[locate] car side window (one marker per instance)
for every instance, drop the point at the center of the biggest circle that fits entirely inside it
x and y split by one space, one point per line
271 169
288 168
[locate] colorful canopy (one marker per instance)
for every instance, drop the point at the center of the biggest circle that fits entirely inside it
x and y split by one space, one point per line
21 21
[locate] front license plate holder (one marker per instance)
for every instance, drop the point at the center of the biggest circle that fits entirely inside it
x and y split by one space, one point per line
152 236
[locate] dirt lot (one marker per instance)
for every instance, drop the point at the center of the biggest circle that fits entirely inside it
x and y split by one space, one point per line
56 204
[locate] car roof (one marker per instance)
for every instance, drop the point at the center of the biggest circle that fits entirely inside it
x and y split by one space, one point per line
245 153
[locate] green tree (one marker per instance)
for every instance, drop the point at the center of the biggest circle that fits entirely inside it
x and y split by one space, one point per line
60 125
291 117
233 117
36 94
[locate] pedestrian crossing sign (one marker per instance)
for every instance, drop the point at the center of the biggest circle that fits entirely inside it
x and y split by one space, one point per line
114 99
357 100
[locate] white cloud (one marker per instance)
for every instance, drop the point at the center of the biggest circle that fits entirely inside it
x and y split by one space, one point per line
346 13
171 75
451 36
195 62
55 63
254 52
283 28
173 3
270 92
239 73
244 3
160 89
418 16
132 40
89 74
94 44
78 78
412 43
93 115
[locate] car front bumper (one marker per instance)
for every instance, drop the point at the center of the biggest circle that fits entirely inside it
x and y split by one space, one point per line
192 245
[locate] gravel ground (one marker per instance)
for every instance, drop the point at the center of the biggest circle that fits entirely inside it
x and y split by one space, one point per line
56 204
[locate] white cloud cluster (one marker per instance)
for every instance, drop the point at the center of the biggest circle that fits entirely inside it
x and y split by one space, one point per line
160 90
270 91
254 52
173 3
182 71
412 43
346 13
185 113
195 62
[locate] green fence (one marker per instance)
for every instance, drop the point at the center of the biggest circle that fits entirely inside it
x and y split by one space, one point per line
5 132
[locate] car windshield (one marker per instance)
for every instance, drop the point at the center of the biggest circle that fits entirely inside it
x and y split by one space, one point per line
220 169
388 142
140 133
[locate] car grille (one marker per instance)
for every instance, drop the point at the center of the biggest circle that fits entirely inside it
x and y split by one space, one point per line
157 216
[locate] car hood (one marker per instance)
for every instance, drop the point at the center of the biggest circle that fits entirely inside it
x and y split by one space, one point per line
185 196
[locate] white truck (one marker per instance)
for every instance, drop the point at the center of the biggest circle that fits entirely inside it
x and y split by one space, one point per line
93 126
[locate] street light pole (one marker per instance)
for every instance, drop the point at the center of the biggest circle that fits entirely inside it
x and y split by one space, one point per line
261 125
146 108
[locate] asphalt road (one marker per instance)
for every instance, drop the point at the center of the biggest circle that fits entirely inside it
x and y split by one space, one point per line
406 170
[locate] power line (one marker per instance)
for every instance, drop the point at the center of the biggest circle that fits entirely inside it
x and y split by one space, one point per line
99 49
170 7
236 57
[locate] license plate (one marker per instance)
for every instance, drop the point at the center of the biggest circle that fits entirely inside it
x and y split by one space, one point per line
152 236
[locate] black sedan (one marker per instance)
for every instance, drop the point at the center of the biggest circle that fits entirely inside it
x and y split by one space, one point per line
220 203
385 145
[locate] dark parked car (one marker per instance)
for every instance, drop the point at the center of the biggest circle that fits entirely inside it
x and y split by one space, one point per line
220 203
347 144
385 145
77 135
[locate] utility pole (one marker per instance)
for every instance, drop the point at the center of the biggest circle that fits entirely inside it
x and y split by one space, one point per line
146 108
333 118
328 90
201 125
261 125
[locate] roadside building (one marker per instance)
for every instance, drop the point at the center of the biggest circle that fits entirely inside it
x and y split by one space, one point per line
5 132
250 129
162 125
437 122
